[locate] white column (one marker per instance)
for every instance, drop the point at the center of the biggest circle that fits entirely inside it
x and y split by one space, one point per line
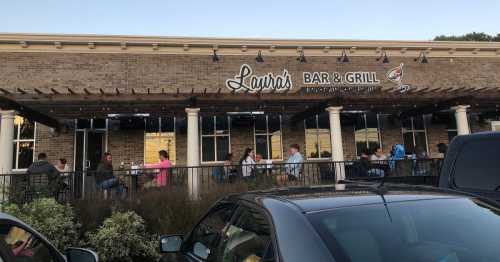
193 151
336 138
461 118
6 140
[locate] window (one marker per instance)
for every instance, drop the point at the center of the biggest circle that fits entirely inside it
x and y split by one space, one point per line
24 143
366 132
209 231
451 128
248 238
25 246
267 130
215 138
159 135
414 135
318 144
495 126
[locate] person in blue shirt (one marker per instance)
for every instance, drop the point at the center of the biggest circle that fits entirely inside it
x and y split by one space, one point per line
293 166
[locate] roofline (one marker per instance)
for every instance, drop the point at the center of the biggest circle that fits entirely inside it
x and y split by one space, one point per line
88 43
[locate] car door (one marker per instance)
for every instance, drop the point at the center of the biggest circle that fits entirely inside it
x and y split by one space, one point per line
201 244
248 238
20 244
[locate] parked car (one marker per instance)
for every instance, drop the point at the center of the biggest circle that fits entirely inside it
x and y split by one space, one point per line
472 164
345 222
19 243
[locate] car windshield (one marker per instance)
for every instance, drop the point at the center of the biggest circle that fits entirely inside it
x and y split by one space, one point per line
439 230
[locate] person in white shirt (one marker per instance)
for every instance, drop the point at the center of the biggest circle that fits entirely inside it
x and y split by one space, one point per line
378 155
247 163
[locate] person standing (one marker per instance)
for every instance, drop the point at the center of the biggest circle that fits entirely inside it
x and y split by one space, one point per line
104 176
293 166
162 178
64 170
247 163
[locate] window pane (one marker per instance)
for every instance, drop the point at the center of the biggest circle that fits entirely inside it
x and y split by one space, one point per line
418 123
167 124
260 124
323 121
152 125
360 140
261 146
274 123
420 141
408 143
14 157
361 147
311 122
25 154
99 123
154 142
312 146
207 125
222 147
275 145
372 138
325 147
208 149
27 130
359 122
406 124
82 123
371 120
222 125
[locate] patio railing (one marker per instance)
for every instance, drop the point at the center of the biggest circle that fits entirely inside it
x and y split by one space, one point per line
201 179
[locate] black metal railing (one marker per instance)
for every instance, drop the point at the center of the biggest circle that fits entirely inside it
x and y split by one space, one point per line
129 183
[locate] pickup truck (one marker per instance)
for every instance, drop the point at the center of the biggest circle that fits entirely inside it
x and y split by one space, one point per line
472 164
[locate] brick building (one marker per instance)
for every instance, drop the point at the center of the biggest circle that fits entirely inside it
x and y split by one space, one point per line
76 97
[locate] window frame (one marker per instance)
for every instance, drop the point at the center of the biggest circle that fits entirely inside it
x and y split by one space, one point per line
215 136
268 136
317 132
17 141
160 132
379 133
413 131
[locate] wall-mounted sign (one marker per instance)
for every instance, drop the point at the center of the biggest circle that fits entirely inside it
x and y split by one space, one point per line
336 78
396 75
246 81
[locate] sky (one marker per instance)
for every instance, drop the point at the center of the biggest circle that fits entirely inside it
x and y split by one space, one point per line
317 19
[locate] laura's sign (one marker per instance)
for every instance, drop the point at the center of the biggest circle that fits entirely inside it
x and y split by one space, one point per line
247 81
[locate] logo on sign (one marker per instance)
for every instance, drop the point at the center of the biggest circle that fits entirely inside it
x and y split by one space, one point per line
246 81
396 76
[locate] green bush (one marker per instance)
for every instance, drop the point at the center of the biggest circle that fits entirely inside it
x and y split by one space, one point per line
53 220
123 237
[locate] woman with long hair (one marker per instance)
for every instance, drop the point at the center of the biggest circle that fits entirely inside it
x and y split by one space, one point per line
247 163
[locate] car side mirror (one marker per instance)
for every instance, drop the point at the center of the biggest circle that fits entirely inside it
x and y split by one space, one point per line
170 244
81 255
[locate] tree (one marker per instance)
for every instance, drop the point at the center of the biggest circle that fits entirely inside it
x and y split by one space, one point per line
474 36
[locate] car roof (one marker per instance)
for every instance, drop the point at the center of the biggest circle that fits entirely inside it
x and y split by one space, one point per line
317 198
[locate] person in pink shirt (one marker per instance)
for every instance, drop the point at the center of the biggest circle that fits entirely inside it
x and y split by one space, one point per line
164 164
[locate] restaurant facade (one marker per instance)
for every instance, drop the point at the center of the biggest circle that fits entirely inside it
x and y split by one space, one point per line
78 96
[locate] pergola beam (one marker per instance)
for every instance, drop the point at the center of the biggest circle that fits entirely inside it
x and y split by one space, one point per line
27 112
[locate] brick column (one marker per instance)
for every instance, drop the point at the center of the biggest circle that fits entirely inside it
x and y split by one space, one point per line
336 138
6 141
461 118
193 151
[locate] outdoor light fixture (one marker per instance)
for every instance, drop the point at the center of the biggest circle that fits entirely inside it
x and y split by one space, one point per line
215 57
343 57
259 58
384 58
302 57
422 58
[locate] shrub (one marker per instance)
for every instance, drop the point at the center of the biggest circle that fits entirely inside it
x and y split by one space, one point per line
53 220
123 237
